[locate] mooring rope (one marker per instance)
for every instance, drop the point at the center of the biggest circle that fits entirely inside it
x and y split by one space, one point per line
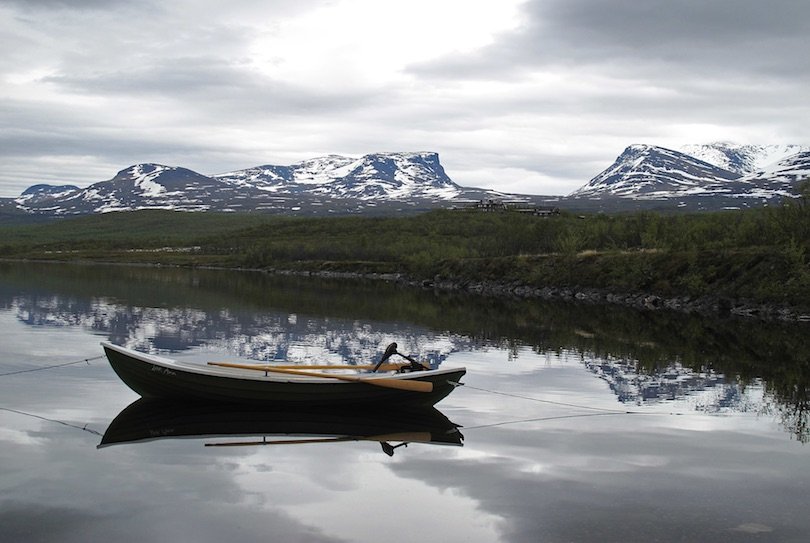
542 419
600 411
83 428
564 404
41 368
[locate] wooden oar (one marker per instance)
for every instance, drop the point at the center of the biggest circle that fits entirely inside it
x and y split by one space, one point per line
263 367
410 437
415 386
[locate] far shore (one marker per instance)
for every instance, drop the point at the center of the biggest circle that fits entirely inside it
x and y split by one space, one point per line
644 301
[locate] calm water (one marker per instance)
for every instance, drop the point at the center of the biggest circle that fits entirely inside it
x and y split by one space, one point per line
579 423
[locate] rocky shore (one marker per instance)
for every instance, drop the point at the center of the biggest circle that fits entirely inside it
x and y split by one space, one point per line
705 305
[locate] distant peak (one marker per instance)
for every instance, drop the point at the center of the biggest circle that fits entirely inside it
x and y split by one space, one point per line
44 188
643 148
145 168
638 147
151 167
724 143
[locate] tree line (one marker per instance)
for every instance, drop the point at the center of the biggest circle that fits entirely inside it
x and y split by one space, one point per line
758 253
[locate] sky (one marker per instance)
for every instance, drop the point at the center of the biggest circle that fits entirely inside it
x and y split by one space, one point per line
532 97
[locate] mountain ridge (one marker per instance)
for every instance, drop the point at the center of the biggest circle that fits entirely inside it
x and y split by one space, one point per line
657 175
642 170
330 184
722 175
741 158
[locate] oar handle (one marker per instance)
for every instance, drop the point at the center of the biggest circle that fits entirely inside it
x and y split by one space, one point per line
389 352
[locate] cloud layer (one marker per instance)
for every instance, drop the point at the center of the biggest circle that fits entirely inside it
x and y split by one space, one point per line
534 97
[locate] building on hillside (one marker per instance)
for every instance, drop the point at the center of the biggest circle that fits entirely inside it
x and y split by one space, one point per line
499 206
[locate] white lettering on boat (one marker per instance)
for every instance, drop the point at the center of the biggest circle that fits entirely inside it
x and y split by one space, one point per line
164 371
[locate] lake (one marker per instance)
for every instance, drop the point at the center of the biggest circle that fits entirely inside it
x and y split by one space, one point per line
577 422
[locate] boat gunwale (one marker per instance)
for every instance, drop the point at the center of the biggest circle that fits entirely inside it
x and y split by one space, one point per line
257 375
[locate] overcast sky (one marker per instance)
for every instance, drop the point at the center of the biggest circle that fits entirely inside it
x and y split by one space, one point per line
522 96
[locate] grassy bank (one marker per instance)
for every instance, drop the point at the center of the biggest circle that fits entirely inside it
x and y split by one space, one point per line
760 255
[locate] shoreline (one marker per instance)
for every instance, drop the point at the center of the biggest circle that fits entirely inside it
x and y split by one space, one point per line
702 305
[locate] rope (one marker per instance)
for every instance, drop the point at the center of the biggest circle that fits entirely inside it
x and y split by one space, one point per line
539 419
88 360
603 410
83 428
41 368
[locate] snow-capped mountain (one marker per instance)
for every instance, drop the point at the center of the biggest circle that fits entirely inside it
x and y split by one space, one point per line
721 175
742 159
389 176
779 178
327 184
726 176
37 192
644 171
136 187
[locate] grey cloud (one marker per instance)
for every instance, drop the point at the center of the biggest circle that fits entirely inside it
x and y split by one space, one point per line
654 22
31 131
216 85
37 5
187 7
123 82
720 37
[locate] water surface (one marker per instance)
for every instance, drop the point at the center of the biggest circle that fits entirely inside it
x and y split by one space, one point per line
579 423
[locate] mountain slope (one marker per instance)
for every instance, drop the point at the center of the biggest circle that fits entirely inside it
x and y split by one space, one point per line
642 177
375 176
781 178
645 176
331 184
742 159
137 187
648 171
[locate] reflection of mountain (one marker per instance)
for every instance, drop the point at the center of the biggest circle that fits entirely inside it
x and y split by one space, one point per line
270 335
268 317
706 390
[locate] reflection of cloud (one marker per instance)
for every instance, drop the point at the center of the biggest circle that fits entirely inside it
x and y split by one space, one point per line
65 492
17 437
194 520
430 513
606 480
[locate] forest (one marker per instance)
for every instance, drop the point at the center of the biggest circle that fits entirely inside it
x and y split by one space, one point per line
756 254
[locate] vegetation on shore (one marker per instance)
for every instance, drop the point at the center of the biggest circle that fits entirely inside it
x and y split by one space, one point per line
760 255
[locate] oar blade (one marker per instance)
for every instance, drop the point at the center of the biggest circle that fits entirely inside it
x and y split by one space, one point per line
414 386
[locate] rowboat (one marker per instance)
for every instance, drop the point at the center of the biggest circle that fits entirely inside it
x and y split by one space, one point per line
158 377
236 425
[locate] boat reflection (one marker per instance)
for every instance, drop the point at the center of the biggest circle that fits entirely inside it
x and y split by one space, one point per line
149 419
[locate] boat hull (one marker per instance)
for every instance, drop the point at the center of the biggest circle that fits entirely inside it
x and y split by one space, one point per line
150 419
157 377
